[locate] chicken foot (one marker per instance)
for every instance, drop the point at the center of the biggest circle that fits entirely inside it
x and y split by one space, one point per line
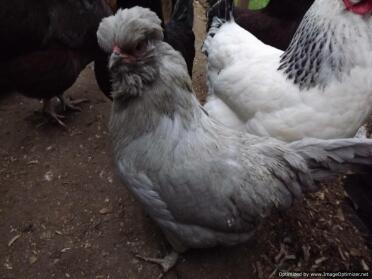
50 110
71 105
166 263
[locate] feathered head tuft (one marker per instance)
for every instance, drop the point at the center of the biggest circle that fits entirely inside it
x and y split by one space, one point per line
129 27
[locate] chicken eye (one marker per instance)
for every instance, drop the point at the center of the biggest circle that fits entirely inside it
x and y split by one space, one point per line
141 46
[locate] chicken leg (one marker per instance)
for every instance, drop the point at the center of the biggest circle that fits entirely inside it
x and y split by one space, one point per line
50 110
166 263
71 105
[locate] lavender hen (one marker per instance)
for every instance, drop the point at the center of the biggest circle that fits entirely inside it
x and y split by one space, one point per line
203 183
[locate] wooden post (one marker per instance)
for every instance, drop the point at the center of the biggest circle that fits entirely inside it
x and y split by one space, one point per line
167 7
242 3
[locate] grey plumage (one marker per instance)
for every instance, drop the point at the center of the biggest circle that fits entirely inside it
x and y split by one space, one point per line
203 183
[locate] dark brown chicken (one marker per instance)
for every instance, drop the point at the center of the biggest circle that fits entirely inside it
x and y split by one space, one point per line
274 25
46 44
154 5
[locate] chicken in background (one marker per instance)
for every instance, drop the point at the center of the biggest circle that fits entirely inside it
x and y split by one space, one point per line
319 87
163 8
113 4
154 5
203 183
45 46
178 33
168 7
274 25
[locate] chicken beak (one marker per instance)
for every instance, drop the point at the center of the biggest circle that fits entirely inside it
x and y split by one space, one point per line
118 55
114 60
116 50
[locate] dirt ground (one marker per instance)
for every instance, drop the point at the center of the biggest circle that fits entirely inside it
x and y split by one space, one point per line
65 214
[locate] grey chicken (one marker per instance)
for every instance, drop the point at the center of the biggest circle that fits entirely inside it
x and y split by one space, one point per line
203 183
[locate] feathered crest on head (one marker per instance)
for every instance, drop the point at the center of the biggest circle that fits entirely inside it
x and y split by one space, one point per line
129 25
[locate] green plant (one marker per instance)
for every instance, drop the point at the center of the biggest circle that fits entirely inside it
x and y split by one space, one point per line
258 4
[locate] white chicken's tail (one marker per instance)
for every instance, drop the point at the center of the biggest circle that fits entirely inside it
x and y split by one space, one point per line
329 158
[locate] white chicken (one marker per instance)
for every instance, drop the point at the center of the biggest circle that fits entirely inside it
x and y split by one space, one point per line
320 87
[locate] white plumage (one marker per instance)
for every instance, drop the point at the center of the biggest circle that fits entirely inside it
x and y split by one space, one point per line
320 87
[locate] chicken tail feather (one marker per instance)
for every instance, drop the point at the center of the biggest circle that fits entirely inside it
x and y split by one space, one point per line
221 12
327 159
184 13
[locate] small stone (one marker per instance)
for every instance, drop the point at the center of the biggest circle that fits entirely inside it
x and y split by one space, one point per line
50 147
320 195
48 176
32 259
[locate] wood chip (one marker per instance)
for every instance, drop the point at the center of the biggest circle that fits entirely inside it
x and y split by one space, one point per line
105 210
282 252
14 239
364 265
320 260
355 252
281 263
340 215
64 250
342 254
46 235
306 251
